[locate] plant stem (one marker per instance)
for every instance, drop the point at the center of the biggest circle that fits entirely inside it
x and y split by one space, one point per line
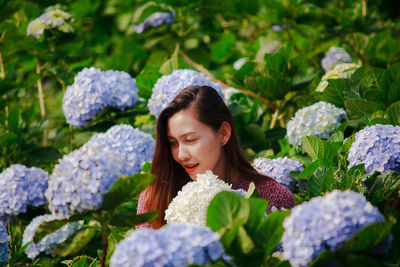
41 101
364 8
224 85
104 239
2 71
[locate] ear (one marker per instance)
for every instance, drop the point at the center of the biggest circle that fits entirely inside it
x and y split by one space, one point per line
224 132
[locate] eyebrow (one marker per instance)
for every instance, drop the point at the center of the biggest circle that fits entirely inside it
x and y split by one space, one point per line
183 135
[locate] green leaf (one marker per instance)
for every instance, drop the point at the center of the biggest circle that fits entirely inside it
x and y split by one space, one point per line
113 239
275 134
358 108
77 243
335 92
221 49
124 189
47 228
367 238
384 185
146 80
310 169
13 119
128 219
258 207
226 213
244 241
321 181
45 154
318 149
169 65
393 112
390 82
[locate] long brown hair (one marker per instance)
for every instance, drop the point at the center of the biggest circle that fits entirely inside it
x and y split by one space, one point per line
170 175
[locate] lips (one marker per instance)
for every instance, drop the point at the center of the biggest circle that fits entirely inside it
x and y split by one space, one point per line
190 167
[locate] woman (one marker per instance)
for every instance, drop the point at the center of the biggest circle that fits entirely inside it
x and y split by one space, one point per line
195 133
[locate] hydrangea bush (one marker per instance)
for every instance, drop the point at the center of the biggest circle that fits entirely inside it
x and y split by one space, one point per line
191 203
48 243
81 179
155 20
344 70
94 90
52 19
4 239
173 245
378 147
279 169
168 86
325 223
21 187
319 120
335 56
133 145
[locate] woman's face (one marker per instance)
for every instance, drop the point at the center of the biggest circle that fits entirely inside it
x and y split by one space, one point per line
194 145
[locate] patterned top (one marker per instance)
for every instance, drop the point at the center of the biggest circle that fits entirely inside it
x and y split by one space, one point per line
278 196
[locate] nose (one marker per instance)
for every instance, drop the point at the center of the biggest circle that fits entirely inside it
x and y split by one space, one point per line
183 153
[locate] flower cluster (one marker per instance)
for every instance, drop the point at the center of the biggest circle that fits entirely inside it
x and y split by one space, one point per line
48 243
319 120
155 20
134 145
81 179
52 19
173 245
279 169
340 71
325 222
335 56
21 187
168 86
93 90
191 203
378 147
4 238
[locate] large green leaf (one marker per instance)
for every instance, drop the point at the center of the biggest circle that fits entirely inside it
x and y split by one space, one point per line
357 108
367 238
47 228
146 80
318 149
258 208
221 49
270 230
77 243
227 211
310 169
321 181
384 185
335 93
393 111
124 189
129 219
390 82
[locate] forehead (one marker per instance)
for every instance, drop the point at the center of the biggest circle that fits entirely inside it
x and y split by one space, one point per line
185 122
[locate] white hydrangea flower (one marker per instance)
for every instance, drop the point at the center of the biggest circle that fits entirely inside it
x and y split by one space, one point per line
340 71
240 62
191 203
319 120
51 19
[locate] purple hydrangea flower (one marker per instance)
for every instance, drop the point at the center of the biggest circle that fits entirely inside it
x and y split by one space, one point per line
4 239
94 90
81 179
335 55
325 223
378 147
48 243
319 120
173 245
168 86
21 187
155 20
135 146
279 169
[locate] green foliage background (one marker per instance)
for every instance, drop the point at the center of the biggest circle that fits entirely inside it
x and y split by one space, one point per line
281 77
